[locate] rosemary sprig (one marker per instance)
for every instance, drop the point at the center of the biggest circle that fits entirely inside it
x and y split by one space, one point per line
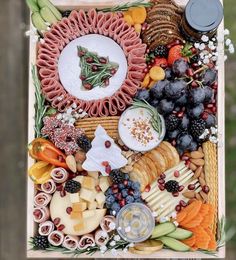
155 116
126 6
39 106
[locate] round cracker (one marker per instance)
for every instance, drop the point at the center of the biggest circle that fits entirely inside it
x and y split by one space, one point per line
160 161
155 160
142 163
169 155
173 151
152 165
163 153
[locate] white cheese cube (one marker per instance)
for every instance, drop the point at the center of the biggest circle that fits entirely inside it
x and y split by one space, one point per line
87 195
74 197
100 198
79 179
92 205
104 183
95 175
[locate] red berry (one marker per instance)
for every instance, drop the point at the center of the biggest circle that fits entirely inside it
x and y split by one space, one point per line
115 186
176 174
82 77
56 221
113 71
194 84
61 227
181 188
191 186
190 72
108 169
163 176
87 86
161 181
107 144
62 193
195 65
89 60
105 163
122 203
182 203
178 208
125 182
115 191
175 194
205 189
204 115
69 210
131 192
180 114
148 188
187 163
103 60
94 68
119 196
161 187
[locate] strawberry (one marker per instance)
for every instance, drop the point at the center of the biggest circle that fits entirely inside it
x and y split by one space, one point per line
162 62
175 53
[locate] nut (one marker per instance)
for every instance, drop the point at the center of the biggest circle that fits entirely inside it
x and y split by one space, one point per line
197 155
192 166
197 172
80 156
129 161
71 163
189 194
202 175
79 167
198 197
204 196
200 149
198 162
202 181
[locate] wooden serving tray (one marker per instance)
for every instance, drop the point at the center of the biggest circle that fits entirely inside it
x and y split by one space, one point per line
165 253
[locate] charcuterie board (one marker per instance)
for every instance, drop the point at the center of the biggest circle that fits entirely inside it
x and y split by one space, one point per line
126 129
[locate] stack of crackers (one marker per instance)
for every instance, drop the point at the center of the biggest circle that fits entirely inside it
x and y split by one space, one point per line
154 163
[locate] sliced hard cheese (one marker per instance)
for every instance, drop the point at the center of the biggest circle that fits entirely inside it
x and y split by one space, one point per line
79 207
76 215
104 183
100 198
74 197
87 195
88 183
92 205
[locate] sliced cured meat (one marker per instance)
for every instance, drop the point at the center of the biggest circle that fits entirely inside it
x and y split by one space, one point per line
71 242
108 223
86 241
41 214
101 237
42 199
59 175
56 238
46 228
49 187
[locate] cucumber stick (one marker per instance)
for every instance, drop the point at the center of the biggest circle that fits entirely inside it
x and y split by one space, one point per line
163 229
38 21
174 244
47 3
48 15
32 5
180 234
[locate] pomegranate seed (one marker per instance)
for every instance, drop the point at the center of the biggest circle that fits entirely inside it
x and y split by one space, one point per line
103 60
98 188
206 189
195 65
213 101
89 60
176 174
115 186
180 114
147 50
210 105
131 192
125 182
61 159
94 68
181 188
161 187
122 203
163 176
59 187
214 109
82 77
149 66
69 210
190 72
178 208
161 181
148 188
61 227
205 115
56 221
145 70
105 163
81 53
108 169
191 186
87 86
182 203
107 82
107 144
194 84
196 76
119 196
84 173
215 85
115 190
193 50
62 193
113 71
187 163
184 158
175 194
173 142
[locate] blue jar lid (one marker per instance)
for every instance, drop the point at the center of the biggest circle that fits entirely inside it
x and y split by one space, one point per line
204 15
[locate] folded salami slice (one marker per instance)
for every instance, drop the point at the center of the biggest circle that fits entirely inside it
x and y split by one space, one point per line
108 223
41 214
46 228
101 237
56 238
71 242
86 241
42 199
49 186
59 175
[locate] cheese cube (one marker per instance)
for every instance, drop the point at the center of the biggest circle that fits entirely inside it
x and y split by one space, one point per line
79 179
88 213
104 183
92 205
100 198
94 175
87 195
76 215
79 226
79 207
74 197
88 183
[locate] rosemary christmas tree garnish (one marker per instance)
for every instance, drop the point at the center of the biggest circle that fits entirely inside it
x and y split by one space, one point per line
39 106
155 117
126 6
95 71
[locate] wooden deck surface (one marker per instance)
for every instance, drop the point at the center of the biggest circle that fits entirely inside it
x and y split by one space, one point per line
13 129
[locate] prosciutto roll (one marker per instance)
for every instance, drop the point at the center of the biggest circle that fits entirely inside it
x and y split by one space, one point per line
59 175
86 241
41 214
46 228
70 242
56 238
108 223
101 237
49 186
42 199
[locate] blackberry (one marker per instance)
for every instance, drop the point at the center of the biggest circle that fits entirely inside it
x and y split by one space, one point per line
161 51
84 143
66 13
40 242
172 186
197 127
194 59
172 122
72 186
117 176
